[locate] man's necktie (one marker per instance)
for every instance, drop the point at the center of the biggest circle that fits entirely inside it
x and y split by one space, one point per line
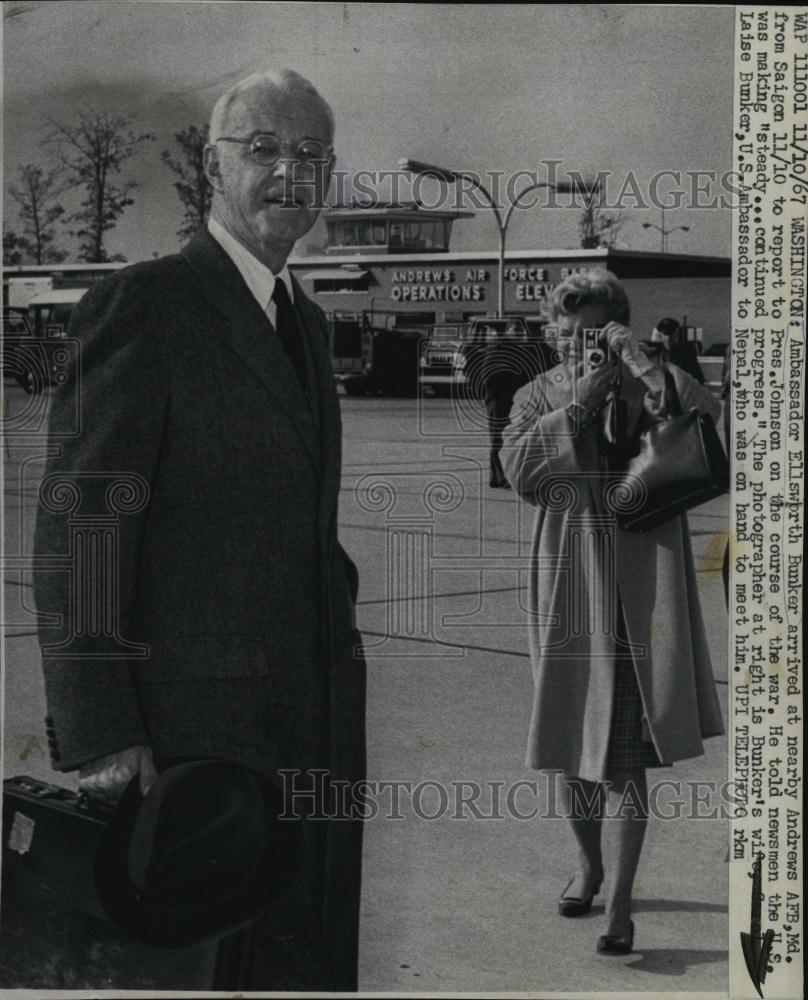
288 330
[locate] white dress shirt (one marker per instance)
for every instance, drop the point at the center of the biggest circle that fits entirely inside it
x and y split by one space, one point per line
260 280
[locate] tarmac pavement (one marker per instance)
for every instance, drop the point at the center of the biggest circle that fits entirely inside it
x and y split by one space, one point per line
463 903
457 902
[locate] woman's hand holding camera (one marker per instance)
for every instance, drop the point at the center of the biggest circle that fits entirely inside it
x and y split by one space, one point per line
625 345
621 340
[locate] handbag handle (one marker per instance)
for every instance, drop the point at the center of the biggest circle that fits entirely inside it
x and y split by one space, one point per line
672 400
617 381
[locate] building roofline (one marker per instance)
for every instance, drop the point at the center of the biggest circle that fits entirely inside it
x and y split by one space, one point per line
656 255
443 255
437 257
55 268
406 214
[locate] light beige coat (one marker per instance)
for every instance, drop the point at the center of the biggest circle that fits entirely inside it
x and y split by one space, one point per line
582 561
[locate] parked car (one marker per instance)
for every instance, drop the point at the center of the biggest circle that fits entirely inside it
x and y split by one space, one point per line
440 356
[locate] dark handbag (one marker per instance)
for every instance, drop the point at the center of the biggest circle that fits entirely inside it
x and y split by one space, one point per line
674 465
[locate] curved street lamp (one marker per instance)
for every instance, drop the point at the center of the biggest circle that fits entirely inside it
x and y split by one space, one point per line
664 233
450 176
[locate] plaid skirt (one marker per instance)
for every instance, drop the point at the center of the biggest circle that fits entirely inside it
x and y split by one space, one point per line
628 751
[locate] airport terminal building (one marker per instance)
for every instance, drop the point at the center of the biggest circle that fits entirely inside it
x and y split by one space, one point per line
387 276
392 265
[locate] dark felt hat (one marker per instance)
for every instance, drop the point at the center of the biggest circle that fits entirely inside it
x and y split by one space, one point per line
202 854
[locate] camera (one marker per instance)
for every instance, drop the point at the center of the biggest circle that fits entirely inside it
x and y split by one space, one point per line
596 349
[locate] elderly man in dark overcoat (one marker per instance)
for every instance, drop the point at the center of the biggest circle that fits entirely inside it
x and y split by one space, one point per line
209 447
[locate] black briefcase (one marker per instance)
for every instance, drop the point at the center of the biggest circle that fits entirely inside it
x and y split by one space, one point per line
53 932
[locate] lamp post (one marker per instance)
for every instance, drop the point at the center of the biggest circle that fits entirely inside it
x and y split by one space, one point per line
449 176
663 232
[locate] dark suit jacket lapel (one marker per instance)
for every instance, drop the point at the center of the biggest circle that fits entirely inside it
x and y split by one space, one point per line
251 334
312 322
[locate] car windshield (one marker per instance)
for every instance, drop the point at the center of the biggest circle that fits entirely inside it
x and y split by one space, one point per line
443 331
496 329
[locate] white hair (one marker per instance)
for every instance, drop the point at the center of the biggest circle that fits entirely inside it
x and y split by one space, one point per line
284 79
595 287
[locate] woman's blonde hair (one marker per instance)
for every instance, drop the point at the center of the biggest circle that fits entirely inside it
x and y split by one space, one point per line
595 287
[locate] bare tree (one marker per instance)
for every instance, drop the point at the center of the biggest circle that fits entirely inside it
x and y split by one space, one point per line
597 227
192 187
37 192
12 248
93 153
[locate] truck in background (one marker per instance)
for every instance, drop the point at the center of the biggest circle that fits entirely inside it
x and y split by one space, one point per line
375 353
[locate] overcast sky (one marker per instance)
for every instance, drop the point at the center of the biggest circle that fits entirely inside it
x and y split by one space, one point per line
475 87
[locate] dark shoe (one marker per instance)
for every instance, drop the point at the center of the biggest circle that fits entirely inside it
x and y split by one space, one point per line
616 944
578 906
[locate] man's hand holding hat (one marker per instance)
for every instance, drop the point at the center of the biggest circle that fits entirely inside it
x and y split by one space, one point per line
108 777
204 853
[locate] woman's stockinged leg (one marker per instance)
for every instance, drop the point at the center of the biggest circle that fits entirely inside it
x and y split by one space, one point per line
583 803
628 826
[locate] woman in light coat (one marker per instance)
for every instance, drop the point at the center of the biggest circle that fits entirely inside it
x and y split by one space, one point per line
619 655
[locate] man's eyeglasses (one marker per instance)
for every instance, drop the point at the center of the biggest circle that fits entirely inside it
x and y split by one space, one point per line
266 148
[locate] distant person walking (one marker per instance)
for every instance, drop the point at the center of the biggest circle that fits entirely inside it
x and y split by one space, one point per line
679 350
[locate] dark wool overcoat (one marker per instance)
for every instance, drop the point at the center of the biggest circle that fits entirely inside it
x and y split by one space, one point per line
582 565
224 626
